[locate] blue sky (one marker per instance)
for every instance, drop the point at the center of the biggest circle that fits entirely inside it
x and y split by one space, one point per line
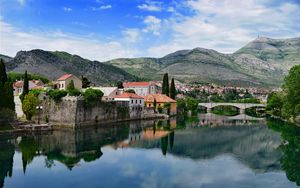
106 29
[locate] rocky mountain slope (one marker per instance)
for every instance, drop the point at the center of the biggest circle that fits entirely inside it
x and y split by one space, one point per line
262 62
54 64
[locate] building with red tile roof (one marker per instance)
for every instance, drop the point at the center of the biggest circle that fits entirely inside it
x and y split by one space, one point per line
32 84
161 101
141 88
63 81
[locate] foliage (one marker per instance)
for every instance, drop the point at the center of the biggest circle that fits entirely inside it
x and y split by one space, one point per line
216 98
85 82
29 105
3 75
130 91
6 90
154 103
70 86
35 92
92 96
25 87
120 84
167 106
13 76
292 92
225 110
74 92
230 95
165 85
160 109
275 103
191 104
56 94
247 100
172 89
7 116
181 106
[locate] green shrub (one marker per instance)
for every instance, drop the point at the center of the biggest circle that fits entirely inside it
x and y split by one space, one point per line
29 105
74 92
7 115
35 92
56 95
160 109
92 96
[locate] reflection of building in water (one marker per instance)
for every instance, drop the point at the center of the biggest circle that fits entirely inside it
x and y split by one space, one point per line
149 130
210 119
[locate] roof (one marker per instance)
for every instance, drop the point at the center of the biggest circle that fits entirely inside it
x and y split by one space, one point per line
18 84
129 95
136 84
64 77
159 98
106 90
38 87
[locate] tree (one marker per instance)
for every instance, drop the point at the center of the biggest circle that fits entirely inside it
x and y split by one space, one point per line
130 91
92 96
291 88
70 86
85 82
165 85
29 105
173 89
3 75
56 94
154 103
120 84
25 87
275 103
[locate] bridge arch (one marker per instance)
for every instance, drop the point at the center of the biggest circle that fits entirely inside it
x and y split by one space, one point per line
241 106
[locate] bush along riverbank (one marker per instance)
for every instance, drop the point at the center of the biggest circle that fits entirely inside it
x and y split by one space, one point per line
286 103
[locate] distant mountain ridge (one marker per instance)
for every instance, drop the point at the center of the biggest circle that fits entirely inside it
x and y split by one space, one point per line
262 62
54 64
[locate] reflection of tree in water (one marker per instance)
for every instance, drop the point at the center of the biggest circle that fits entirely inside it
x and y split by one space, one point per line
6 160
290 162
29 148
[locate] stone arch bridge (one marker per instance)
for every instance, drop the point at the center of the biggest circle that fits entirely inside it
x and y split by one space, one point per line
241 106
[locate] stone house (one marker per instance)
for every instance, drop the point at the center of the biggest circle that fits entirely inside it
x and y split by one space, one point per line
136 103
141 88
161 101
32 84
63 82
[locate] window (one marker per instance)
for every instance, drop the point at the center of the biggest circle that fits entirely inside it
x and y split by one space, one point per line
135 101
140 101
149 105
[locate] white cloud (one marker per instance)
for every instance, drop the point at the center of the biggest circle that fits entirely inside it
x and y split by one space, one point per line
151 6
153 25
229 24
16 40
103 7
67 9
132 35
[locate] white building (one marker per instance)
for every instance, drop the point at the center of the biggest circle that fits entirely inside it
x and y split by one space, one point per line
63 82
133 99
141 88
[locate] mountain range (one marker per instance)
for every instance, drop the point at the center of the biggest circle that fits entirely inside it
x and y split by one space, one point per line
263 63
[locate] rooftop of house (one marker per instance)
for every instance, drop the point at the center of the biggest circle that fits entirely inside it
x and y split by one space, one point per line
161 98
106 90
129 95
136 84
21 82
64 77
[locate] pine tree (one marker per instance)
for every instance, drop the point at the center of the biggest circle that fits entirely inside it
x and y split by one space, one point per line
3 75
165 85
173 89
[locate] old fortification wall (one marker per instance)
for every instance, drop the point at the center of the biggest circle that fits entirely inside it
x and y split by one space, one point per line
72 112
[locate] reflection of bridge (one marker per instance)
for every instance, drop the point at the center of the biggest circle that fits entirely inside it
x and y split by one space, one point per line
241 119
241 106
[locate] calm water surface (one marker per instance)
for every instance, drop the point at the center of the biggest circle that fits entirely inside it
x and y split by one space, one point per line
201 151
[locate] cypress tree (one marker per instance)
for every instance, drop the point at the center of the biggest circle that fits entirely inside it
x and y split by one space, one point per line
172 89
165 85
3 75
25 87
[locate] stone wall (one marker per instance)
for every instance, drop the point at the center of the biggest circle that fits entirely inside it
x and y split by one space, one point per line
72 112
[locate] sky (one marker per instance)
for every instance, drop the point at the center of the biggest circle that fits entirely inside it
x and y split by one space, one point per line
107 29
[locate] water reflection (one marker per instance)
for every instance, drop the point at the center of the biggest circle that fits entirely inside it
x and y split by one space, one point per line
200 138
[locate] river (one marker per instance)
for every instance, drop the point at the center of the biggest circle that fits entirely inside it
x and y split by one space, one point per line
200 151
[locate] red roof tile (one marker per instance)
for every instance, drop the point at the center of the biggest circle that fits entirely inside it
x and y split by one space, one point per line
64 77
129 95
159 98
136 84
18 84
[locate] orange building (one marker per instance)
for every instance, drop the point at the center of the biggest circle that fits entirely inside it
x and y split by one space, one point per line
161 101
